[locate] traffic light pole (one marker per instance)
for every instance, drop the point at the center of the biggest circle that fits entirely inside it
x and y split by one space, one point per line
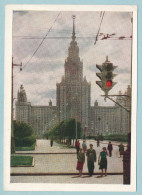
126 154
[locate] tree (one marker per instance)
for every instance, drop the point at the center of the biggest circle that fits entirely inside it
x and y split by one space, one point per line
22 129
70 129
23 134
66 130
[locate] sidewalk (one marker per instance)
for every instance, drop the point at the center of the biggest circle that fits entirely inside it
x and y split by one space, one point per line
65 163
68 179
43 147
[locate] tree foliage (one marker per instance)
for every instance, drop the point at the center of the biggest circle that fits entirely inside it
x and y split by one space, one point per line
23 134
22 129
66 130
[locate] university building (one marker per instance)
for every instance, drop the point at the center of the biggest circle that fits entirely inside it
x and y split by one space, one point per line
73 97
41 118
111 119
73 93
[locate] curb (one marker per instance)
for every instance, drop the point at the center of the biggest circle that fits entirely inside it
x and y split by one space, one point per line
58 174
17 153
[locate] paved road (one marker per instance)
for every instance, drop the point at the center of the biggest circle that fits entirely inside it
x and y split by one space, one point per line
65 163
69 179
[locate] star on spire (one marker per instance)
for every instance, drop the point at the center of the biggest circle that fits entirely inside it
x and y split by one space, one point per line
73 33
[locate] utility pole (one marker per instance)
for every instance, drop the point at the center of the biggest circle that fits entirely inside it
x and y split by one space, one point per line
12 100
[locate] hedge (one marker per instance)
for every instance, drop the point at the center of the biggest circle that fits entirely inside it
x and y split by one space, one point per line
22 129
25 141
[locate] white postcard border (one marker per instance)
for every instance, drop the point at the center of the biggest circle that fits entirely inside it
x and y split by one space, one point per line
7 102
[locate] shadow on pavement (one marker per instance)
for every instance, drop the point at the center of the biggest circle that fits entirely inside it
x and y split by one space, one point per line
99 176
76 176
85 176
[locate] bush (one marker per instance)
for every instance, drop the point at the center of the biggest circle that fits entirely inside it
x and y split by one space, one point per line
22 129
25 141
23 134
117 137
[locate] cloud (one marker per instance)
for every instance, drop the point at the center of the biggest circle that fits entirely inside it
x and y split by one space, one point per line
46 67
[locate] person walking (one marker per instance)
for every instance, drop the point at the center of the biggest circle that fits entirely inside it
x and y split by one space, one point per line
121 148
80 162
84 146
110 148
91 159
77 146
98 142
102 161
51 142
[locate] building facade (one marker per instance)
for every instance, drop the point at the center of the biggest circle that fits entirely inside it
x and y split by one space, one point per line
73 92
41 118
111 119
73 97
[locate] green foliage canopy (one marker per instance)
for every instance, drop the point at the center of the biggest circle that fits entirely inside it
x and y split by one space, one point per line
23 134
22 129
66 129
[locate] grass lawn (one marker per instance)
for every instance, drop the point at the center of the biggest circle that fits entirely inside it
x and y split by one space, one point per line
29 148
21 161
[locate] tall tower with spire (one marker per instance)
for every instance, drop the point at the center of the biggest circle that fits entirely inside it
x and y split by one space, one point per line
73 92
23 107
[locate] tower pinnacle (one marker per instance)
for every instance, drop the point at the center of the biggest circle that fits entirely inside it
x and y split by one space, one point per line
107 59
73 33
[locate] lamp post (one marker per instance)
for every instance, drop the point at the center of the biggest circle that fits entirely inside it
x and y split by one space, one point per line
75 119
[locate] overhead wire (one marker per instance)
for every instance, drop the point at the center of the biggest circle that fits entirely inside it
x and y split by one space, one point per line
83 37
98 37
40 43
102 16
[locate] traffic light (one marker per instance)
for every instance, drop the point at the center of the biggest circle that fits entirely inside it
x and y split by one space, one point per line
106 76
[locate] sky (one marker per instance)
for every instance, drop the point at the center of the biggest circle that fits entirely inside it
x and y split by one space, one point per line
45 68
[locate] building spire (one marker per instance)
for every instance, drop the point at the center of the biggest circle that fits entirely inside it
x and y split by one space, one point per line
106 58
73 33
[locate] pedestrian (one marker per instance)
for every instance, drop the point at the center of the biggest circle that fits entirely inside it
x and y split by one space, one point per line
98 142
121 148
80 162
84 146
102 161
110 148
36 144
91 159
51 142
77 145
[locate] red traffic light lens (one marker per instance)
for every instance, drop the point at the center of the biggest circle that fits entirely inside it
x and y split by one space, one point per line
109 83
